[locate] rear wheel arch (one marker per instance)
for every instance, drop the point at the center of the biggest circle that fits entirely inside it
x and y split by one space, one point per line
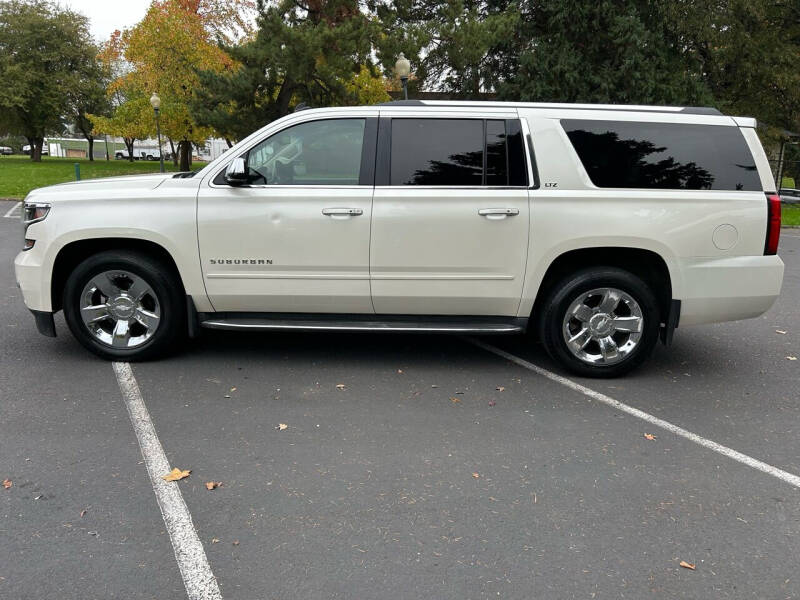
74 253
648 265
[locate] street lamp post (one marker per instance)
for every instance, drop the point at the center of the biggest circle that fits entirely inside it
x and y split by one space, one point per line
403 69
155 102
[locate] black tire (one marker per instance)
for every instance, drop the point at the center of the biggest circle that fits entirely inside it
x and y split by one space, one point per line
161 279
551 322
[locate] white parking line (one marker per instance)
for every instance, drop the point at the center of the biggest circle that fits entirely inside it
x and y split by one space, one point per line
785 476
198 579
9 214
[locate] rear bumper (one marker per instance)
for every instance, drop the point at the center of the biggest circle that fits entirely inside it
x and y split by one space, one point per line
729 289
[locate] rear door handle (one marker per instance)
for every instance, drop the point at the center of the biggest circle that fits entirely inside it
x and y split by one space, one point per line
498 213
342 212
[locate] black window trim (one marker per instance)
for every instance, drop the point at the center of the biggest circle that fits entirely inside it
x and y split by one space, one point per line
366 176
383 155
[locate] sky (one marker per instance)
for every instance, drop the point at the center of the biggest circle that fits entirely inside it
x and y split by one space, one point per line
108 15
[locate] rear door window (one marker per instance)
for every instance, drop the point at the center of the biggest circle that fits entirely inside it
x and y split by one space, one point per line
622 154
457 152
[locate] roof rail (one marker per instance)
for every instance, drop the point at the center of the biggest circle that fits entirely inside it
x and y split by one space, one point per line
702 110
690 110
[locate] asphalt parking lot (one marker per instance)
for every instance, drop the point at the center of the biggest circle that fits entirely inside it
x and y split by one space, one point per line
409 466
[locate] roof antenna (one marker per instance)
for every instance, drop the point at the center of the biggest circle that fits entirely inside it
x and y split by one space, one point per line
301 106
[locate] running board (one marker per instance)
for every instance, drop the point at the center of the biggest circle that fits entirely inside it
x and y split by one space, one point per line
462 326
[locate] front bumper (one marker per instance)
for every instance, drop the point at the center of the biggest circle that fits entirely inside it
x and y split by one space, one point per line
729 289
28 270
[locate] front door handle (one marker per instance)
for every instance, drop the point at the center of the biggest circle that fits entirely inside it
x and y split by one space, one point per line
498 213
342 212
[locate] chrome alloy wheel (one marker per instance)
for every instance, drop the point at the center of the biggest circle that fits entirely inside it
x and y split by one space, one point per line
603 326
120 309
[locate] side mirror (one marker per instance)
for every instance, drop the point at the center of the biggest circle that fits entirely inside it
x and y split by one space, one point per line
237 172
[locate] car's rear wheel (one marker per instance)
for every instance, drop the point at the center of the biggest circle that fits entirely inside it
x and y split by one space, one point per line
600 322
124 305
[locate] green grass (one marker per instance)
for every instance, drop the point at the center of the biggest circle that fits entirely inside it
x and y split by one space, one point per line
18 175
790 215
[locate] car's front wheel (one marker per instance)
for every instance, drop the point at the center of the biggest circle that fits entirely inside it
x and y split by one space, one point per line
124 305
600 322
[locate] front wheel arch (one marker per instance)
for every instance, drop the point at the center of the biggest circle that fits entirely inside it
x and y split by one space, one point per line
74 253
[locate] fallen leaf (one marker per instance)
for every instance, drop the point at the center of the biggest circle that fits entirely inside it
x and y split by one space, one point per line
212 485
791 358
780 331
83 512
227 396
91 532
500 388
399 370
7 483
233 389
340 386
686 565
214 540
492 402
176 474
434 386
281 426
39 497
476 475
235 542
455 400
649 436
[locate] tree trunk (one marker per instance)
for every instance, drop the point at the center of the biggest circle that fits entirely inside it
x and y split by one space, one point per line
172 152
129 146
90 139
230 143
185 149
36 148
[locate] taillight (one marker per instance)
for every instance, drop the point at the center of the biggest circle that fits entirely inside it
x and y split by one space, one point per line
773 224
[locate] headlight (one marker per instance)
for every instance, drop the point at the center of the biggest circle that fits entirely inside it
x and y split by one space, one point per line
34 212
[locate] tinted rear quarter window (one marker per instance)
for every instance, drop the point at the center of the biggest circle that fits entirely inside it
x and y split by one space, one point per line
622 154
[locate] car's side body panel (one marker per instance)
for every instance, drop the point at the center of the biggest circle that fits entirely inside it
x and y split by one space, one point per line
707 229
157 209
419 250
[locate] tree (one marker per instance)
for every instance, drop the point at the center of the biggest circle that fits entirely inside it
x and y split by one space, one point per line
131 120
455 46
88 96
603 51
45 52
748 52
316 52
163 53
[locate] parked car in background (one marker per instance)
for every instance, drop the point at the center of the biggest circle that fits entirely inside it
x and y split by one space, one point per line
790 196
6 150
26 149
139 154
600 228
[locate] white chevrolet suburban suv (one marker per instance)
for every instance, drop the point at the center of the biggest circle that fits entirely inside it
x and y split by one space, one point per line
599 228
